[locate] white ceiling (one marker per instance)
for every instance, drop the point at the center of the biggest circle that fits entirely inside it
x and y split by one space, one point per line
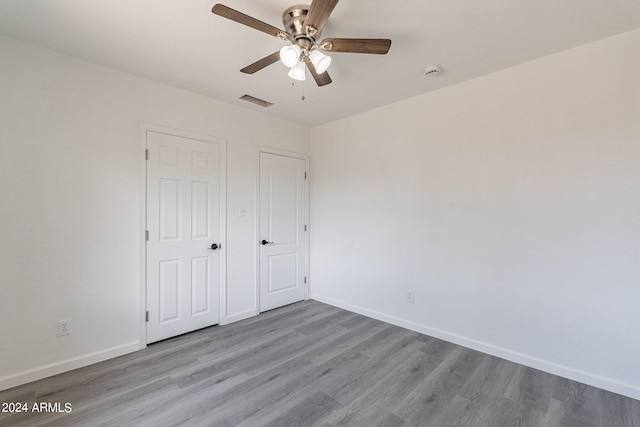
183 44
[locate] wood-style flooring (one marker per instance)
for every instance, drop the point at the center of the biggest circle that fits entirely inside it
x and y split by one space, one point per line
311 364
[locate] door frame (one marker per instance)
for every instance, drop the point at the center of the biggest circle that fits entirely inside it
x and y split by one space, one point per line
305 157
143 128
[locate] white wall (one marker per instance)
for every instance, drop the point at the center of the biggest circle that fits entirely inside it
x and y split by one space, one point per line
70 226
509 204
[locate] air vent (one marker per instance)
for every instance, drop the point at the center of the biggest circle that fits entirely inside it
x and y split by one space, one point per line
257 101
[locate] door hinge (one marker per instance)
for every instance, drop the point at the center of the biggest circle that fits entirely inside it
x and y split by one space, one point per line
305 227
146 235
305 175
146 154
146 316
305 279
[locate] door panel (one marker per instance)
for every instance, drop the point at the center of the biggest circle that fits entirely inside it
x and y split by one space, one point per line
283 272
183 220
282 216
169 210
169 289
200 215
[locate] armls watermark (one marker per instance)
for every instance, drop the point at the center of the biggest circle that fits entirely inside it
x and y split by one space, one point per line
37 407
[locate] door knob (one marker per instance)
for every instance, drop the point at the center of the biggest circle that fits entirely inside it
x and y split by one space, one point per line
215 246
264 242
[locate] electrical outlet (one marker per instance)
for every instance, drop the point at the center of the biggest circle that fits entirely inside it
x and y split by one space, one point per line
64 327
410 297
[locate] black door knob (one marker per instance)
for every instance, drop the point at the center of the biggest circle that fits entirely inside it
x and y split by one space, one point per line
215 246
264 242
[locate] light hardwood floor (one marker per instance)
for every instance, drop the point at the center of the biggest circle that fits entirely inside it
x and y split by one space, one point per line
310 364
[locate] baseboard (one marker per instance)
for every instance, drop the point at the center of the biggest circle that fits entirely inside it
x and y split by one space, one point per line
89 359
67 365
238 317
503 353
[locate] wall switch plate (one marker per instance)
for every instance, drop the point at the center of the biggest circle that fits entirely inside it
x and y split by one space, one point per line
64 327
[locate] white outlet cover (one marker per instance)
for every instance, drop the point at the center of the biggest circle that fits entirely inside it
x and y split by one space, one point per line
64 327
410 297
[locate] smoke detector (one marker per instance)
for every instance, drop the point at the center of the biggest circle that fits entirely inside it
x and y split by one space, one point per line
432 70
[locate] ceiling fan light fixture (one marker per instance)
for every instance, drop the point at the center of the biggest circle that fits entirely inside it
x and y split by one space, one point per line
303 26
298 72
290 55
320 61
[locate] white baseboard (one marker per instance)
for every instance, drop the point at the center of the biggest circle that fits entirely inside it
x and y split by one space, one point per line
238 317
89 359
604 383
67 365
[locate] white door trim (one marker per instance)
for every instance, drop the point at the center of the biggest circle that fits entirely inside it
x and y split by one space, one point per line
143 128
305 157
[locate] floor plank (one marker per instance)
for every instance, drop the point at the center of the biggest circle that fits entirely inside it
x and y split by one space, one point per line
311 364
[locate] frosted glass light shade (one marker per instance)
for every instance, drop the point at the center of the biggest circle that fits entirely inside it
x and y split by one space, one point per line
289 55
320 61
298 71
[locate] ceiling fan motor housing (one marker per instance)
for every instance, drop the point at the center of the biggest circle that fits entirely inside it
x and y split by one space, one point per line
293 20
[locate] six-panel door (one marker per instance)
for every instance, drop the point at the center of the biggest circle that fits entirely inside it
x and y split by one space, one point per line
184 221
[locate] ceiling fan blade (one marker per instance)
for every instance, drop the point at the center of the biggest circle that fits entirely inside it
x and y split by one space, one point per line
241 18
321 79
319 12
376 46
262 63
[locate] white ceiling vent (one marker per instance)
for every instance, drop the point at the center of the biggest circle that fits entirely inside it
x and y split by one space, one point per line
257 101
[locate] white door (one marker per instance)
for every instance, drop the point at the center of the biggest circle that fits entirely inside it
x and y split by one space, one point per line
184 235
282 230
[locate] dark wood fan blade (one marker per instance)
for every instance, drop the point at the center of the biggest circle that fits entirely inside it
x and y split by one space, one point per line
241 18
264 62
319 12
321 79
377 46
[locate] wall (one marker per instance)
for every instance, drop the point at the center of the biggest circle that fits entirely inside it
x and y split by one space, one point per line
510 206
70 214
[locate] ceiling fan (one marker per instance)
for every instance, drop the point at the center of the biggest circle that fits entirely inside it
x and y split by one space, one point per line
303 26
